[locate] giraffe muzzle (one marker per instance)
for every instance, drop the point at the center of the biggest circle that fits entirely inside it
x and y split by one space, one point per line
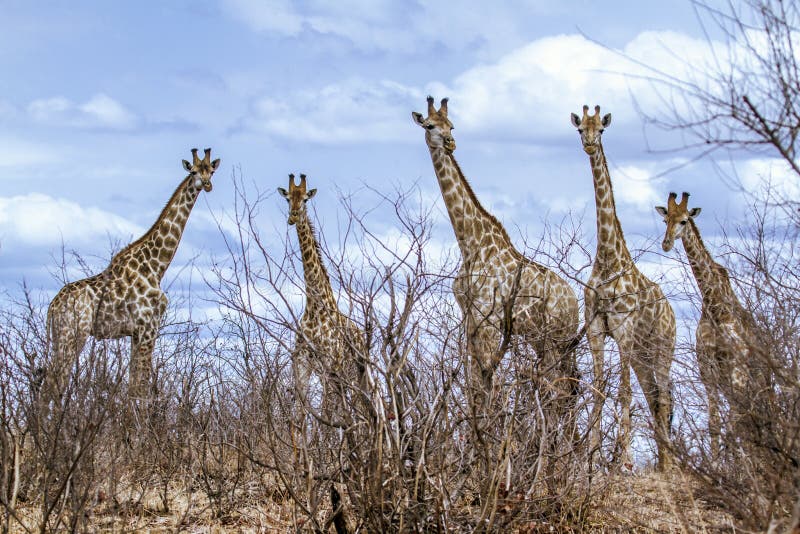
449 144
666 245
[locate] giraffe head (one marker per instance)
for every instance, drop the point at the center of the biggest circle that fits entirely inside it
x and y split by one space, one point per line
676 215
438 128
296 196
202 169
591 127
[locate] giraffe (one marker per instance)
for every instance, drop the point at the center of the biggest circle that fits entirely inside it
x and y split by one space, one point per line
327 340
500 291
621 302
725 329
126 298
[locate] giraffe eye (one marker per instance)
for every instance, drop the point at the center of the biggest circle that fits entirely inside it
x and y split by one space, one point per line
430 127
683 222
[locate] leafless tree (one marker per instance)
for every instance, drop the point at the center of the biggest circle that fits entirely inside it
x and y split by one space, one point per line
747 95
409 459
218 441
744 101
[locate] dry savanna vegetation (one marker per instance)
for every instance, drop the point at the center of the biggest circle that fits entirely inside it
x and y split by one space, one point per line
399 436
222 441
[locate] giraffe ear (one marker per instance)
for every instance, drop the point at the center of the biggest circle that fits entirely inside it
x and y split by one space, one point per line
576 121
215 164
606 120
311 193
418 118
694 212
284 193
187 165
661 211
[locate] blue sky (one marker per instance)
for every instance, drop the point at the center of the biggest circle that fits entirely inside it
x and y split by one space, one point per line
100 101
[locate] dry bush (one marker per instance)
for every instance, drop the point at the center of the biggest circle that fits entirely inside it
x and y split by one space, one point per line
223 439
406 454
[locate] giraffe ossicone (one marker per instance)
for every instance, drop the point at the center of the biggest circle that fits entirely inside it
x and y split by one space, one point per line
126 300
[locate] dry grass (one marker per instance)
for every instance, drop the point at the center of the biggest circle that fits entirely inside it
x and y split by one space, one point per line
638 502
656 502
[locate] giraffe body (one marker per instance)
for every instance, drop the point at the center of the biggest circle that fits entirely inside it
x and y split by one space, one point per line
622 303
498 289
126 298
725 332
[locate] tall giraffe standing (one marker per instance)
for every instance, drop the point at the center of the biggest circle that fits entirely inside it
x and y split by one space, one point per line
621 302
499 290
725 332
327 340
126 298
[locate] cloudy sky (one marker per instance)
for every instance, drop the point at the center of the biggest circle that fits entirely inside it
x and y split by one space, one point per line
100 101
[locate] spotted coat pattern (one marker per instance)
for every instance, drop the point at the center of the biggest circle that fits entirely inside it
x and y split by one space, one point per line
499 290
126 298
725 333
327 340
621 302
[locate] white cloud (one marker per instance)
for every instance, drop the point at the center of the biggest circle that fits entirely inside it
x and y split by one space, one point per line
533 89
345 112
100 111
15 153
635 186
386 25
38 219
107 111
529 92
770 174
276 16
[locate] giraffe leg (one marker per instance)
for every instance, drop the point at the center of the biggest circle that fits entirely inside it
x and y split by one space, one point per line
141 366
481 349
655 385
665 399
66 351
625 398
596 338
301 374
69 318
143 342
555 381
710 379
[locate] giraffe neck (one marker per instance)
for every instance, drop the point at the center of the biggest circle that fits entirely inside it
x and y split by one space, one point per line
711 279
156 248
318 285
611 247
471 222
